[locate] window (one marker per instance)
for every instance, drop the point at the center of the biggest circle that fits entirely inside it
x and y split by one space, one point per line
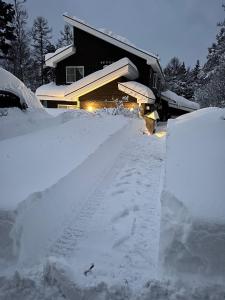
64 106
74 73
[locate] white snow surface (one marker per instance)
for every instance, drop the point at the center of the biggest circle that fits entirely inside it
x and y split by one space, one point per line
179 101
10 83
85 220
51 89
45 156
193 200
50 55
141 92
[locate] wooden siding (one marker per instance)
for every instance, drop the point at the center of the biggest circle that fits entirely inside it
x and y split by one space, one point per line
105 96
108 92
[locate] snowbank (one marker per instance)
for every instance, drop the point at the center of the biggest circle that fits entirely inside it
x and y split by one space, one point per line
193 206
9 83
17 122
45 156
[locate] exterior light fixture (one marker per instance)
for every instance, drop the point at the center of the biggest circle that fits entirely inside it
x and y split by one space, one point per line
90 108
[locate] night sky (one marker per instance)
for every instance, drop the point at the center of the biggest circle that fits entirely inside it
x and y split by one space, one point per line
183 28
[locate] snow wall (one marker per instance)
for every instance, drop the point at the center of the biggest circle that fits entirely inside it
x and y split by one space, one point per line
193 207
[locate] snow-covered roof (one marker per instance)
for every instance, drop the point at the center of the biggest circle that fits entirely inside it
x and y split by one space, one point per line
178 101
116 40
123 67
51 59
142 93
51 91
10 83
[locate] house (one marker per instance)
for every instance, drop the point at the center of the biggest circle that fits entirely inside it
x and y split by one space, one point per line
100 67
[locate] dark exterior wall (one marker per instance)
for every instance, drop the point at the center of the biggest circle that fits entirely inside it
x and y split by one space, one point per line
91 52
105 96
108 92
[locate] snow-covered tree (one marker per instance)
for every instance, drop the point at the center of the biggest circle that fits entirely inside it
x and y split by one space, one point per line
212 76
177 78
66 37
41 36
6 28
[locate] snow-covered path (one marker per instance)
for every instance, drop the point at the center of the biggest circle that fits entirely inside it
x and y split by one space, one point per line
117 227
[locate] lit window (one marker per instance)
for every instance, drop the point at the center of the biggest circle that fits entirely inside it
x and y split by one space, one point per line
74 73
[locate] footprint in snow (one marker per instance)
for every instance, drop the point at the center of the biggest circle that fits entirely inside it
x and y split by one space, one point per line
121 215
122 183
118 192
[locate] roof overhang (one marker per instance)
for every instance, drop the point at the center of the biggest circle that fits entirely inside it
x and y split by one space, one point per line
151 59
122 68
141 92
179 102
51 59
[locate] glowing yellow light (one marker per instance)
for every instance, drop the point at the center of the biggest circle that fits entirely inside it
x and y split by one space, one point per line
131 109
90 108
160 134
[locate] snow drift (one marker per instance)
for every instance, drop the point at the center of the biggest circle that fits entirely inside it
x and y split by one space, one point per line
193 206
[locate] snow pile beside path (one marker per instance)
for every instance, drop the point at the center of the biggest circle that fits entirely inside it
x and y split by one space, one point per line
44 156
56 284
193 206
17 122
33 163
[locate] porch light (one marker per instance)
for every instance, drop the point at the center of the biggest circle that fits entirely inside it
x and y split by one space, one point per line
160 134
90 108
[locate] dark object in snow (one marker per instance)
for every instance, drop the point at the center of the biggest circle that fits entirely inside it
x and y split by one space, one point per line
8 99
89 270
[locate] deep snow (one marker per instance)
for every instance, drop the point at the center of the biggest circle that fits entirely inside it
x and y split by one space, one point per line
193 200
94 200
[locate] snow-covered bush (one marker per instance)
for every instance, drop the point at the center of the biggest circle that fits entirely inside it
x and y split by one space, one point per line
119 109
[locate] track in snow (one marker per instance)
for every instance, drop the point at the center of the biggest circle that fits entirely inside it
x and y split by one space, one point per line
120 217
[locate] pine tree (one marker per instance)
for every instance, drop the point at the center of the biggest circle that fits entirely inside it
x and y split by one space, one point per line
20 62
41 35
66 37
176 75
211 89
6 28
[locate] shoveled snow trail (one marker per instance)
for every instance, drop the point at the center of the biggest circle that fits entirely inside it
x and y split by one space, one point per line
117 226
105 212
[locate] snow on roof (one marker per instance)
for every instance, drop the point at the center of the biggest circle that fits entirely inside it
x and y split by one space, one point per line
116 40
51 59
178 101
116 36
51 90
123 67
142 93
10 83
